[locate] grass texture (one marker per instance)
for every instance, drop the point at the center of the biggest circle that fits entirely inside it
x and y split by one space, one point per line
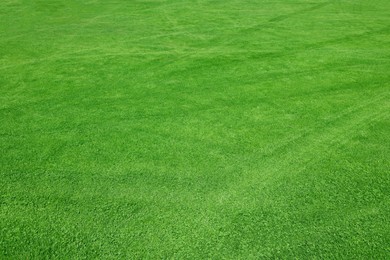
197 129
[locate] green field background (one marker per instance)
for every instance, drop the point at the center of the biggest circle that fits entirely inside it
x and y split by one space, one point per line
235 129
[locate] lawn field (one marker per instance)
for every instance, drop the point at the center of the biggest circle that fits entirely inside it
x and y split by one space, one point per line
202 129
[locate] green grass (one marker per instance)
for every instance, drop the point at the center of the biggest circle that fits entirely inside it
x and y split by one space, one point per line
194 129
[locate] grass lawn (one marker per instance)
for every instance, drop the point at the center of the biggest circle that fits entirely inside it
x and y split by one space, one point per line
194 129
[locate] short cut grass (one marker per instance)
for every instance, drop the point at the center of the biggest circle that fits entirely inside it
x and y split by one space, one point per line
194 129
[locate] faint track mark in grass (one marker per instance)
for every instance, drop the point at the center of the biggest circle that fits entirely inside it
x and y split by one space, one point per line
291 157
287 16
199 53
270 23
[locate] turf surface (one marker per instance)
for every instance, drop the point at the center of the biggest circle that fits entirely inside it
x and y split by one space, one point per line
194 129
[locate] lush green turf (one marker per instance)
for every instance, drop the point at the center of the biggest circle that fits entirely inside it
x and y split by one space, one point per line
194 129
